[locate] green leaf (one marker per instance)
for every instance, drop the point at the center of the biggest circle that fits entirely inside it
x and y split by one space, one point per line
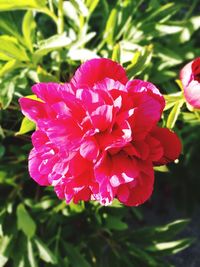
10 66
160 233
26 126
172 247
115 223
71 12
111 26
140 61
116 54
75 257
25 222
6 93
92 4
173 115
8 25
168 29
44 76
143 256
28 29
52 43
162 168
5 243
21 4
11 48
44 252
81 54
3 260
172 99
31 256
2 150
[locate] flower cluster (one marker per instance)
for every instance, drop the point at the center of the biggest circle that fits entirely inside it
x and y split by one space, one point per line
190 77
97 137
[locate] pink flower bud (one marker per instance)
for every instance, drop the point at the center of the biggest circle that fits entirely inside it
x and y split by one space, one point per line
190 77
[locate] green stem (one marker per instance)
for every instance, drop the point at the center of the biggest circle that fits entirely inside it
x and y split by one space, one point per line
60 21
51 5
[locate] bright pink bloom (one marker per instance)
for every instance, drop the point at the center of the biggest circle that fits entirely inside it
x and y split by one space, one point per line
190 77
97 136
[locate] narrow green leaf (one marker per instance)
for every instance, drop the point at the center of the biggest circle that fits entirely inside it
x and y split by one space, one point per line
10 66
52 43
116 55
140 61
21 4
44 252
2 150
92 4
111 26
26 126
75 257
28 29
81 54
6 94
115 223
163 168
168 29
25 222
8 26
172 99
3 260
11 48
173 115
172 247
31 256
44 76
161 233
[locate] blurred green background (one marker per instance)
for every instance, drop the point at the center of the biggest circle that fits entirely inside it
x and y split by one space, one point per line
43 41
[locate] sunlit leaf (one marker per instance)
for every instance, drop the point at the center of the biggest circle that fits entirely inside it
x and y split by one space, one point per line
53 43
11 47
26 126
25 222
28 28
140 60
115 223
31 256
44 252
6 94
174 113
116 55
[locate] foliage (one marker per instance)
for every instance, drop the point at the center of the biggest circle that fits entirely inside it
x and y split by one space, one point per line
42 42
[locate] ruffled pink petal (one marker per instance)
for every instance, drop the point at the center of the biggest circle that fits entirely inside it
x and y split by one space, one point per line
89 149
39 139
95 70
33 109
35 162
139 86
64 133
124 169
51 92
139 190
102 117
170 143
155 148
147 112
79 165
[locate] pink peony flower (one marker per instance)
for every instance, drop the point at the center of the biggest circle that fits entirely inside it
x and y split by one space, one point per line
97 137
190 77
